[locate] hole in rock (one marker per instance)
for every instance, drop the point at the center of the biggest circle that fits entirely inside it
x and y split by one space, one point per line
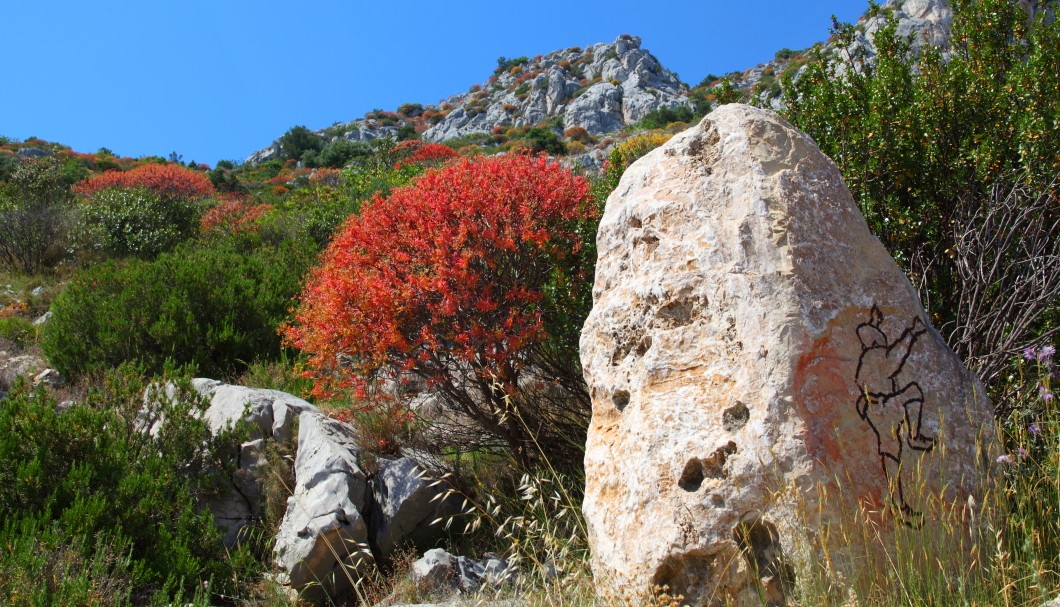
634 222
714 466
643 345
735 417
692 476
760 544
620 398
692 574
677 313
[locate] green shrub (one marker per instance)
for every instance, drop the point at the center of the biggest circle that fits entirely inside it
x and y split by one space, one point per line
341 152
545 140
657 119
295 142
504 64
96 511
945 154
34 216
18 331
137 222
212 307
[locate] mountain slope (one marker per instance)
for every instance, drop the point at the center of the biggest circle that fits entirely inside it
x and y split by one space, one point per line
602 88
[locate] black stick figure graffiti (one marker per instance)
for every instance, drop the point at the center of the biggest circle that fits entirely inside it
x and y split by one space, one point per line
893 407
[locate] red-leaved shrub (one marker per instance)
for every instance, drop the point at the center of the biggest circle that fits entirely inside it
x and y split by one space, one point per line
234 215
169 181
450 279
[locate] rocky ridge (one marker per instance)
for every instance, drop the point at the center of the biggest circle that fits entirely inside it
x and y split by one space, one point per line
602 88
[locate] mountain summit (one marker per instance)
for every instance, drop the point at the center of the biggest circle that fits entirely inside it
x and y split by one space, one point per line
601 89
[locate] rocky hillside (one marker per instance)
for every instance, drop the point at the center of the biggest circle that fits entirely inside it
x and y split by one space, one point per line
602 88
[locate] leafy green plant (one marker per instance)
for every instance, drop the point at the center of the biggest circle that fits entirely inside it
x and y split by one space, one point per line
96 510
214 307
929 143
138 222
35 211
299 140
18 331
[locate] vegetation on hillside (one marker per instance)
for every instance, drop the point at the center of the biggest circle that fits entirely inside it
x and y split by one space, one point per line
472 272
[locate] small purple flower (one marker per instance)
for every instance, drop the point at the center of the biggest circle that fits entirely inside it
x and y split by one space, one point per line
1005 459
1046 353
1034 429
1029 353
1044 393
1021 452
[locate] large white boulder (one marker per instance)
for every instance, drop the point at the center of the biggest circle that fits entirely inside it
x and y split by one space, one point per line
760 369
322 543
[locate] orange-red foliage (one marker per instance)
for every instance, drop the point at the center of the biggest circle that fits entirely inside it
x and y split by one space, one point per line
326 176
426 155
451 267
233 215
166 180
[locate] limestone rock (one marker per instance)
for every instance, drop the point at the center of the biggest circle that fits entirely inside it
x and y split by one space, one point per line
598 111
323 540
406 504
365 133
434 571
439 571
759 368
271 414
265 154
17 365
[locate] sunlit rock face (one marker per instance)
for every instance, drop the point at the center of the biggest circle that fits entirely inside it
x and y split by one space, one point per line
760 369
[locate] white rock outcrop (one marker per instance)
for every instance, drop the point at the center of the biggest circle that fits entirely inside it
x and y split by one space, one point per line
271 415
322 543
760 369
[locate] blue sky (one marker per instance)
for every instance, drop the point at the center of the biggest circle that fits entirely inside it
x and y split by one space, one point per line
218 79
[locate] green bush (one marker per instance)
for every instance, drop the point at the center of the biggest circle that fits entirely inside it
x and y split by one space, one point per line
341 152
96 512
657 119
545 140
214 307
137 222
18 331
34 216
944 154
298 140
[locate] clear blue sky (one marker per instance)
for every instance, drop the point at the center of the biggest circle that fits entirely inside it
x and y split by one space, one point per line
219 79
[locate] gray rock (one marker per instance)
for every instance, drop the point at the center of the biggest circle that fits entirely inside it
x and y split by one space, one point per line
48 377
43 318
265 154
37 292
271 412
407 506
1053 603
364 133
439 571
598 110
750 337
33 153
489 573
23 365
271 415
323 539
434 571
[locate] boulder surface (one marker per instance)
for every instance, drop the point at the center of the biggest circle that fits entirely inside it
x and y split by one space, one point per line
760 369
